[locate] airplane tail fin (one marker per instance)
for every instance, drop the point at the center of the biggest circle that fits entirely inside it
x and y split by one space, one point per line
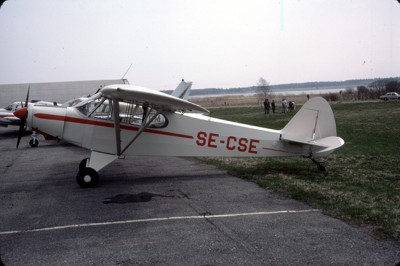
183 90
314 126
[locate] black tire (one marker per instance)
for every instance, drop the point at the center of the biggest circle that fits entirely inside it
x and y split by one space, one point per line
34 143
83 164
87 177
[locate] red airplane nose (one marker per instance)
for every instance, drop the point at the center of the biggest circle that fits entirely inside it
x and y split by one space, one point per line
21 113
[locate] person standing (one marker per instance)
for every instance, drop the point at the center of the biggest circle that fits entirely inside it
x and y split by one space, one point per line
266 106
292 106
273 106
284 103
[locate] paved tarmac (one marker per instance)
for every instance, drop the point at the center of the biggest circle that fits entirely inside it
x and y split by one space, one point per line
160 211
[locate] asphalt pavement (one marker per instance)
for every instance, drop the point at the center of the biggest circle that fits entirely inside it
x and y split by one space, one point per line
160 211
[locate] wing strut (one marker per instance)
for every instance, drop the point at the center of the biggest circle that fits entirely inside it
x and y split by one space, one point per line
117 126
142 128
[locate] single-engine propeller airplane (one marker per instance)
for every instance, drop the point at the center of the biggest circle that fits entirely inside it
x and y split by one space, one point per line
130 120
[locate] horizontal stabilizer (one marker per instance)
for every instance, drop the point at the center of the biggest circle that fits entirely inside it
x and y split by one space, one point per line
330 144
321 145
302 142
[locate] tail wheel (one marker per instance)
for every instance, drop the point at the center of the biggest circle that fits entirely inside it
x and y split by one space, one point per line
34 143
87 177
321 168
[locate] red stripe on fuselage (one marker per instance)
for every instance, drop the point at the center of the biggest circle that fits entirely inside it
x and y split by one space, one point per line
88 122
106 124
50 117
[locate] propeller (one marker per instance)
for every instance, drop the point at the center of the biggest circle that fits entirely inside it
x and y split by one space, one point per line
22 114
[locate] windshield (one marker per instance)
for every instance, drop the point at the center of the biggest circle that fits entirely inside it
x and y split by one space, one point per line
88 100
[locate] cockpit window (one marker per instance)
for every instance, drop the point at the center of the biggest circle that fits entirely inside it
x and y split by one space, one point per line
160 121
129 112
138 114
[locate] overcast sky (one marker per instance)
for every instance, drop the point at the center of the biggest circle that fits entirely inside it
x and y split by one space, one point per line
214 43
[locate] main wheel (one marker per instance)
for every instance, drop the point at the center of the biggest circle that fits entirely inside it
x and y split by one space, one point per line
87 177
34 143
83 163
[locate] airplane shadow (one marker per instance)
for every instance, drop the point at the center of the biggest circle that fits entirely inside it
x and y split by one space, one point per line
133 198
113 179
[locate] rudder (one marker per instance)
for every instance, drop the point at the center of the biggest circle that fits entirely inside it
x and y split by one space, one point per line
315 120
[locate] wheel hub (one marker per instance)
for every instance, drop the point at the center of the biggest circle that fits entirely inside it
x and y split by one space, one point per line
87 178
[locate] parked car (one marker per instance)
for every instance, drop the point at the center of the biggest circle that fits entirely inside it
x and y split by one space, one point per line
390 96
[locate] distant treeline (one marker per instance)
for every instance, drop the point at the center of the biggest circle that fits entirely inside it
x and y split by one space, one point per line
286 87
371 91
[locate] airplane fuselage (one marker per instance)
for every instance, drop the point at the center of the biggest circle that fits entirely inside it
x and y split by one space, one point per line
187 134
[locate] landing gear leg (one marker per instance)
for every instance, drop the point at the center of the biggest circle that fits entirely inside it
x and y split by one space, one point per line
319 164
34 141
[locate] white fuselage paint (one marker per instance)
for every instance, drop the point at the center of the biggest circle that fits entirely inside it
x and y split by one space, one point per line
186 135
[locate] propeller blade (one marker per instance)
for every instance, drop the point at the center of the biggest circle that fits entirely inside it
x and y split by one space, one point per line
21 130
22 115
27 97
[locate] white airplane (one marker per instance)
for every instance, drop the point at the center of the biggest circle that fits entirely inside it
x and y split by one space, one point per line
128 120
7 117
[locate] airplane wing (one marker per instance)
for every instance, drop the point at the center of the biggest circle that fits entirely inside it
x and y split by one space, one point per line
155 99
142 96
10 120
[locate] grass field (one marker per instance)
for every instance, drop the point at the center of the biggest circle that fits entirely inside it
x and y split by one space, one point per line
362 183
